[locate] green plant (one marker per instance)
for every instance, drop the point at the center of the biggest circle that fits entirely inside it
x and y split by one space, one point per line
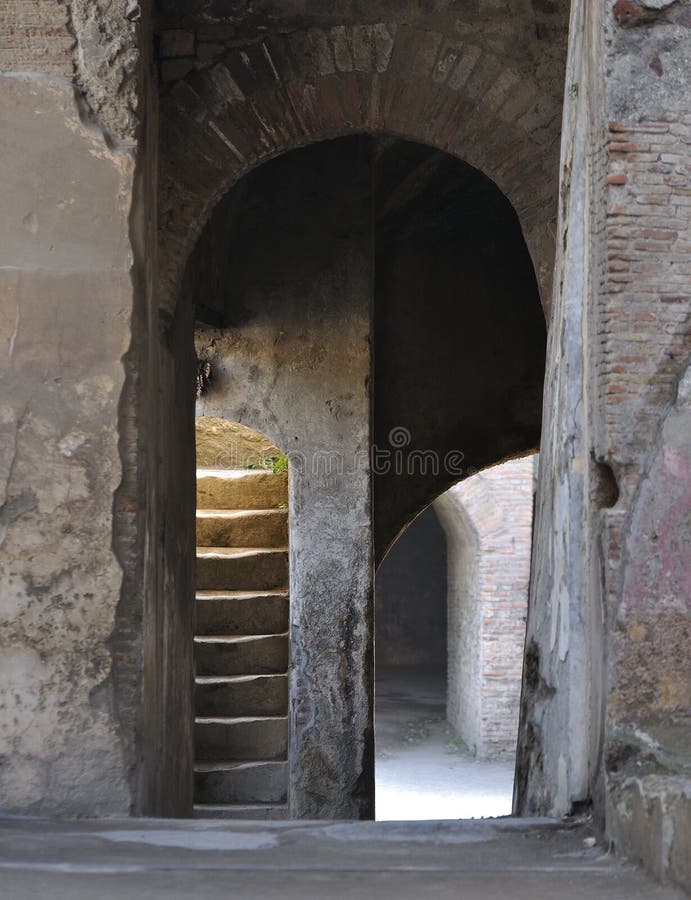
279 464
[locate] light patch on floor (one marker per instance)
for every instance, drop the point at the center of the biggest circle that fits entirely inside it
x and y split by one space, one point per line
422 770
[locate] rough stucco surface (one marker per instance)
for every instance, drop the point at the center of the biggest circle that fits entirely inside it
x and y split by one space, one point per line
645 434
488 522
64 322
296 366
611 593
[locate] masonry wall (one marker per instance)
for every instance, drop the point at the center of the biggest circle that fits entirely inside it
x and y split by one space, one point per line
610 591
294 364
488 521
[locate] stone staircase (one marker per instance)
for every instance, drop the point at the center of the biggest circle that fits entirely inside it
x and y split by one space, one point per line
241 645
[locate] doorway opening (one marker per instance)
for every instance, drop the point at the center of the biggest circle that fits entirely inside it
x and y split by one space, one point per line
371 304
451 601
241 623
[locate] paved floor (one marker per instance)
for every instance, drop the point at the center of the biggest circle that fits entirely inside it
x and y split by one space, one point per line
422 770
503 859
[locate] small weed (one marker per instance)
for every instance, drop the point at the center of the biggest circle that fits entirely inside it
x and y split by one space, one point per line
277 464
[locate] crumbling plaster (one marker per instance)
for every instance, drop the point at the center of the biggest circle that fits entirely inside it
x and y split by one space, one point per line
65 324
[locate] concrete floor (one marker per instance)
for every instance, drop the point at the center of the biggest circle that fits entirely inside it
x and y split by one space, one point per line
422 770
214 860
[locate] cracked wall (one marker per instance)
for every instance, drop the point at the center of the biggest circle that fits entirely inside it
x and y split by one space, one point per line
65 324
610 604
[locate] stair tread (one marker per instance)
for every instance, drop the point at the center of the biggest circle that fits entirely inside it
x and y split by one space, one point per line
232 552
231 474
240 595
237 720
236 639
231 765
235 679
209 513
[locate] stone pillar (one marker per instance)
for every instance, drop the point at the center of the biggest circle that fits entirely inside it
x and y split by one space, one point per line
297 369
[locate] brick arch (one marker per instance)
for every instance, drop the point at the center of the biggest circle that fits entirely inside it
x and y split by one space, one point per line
257 102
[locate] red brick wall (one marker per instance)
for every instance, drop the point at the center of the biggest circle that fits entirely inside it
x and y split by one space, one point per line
497 505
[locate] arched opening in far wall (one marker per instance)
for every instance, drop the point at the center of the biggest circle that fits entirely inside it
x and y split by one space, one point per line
451 605
346 297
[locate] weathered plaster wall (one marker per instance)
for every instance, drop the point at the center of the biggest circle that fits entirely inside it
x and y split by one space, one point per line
609 622
488 521
65 324
295 364
410 597
559 740
644 433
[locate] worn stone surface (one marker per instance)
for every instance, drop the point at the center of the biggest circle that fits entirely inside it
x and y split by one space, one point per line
486 860
229 445
65 324
613 599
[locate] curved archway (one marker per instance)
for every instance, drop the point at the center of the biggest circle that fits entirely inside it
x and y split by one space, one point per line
352 304
451 615
438 80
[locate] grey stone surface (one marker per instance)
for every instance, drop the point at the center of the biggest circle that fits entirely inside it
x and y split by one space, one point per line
558 746
483 860
67 296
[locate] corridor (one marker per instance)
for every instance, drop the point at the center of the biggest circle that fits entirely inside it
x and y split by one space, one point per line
423 770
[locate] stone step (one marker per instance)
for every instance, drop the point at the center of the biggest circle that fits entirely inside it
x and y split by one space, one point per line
250 738
260 654
241 612
240 782
241 489
242 527
244 568
241 695
240 811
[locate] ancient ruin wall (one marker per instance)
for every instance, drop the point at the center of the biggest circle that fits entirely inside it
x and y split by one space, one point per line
65 323
608 629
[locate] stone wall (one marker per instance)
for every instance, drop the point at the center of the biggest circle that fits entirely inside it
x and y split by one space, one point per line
488 523
65 323
606 704
295 365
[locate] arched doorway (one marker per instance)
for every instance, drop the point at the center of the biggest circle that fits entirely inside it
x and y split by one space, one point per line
388 341
451 605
